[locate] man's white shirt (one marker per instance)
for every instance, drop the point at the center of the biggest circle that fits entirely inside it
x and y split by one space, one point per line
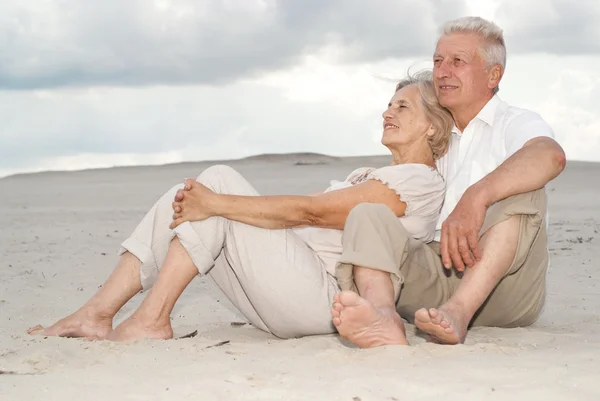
496 133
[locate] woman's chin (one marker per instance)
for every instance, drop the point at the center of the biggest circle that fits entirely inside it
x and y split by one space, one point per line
386 142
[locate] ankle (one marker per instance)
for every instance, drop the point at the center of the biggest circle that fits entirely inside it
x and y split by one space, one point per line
151 320
459 310
379 301
96 312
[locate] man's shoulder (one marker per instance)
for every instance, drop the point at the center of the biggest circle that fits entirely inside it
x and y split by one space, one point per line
509 116
516 125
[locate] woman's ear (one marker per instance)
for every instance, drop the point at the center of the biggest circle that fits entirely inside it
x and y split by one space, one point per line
431 131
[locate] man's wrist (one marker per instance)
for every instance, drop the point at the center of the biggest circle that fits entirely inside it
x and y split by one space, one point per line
481 194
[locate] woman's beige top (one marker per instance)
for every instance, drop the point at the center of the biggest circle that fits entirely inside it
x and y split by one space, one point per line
419 186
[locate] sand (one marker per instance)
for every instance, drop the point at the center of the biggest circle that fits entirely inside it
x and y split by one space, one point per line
58 242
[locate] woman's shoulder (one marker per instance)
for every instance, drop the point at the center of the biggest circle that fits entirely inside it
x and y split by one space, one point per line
421 187
414 174
359 175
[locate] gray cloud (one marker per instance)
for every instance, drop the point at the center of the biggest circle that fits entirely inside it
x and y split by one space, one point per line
112 42
551 26
199 123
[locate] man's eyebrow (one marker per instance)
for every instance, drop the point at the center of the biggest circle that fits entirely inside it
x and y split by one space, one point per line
464 54
460 53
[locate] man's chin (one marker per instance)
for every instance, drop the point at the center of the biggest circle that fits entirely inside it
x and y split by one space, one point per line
447 101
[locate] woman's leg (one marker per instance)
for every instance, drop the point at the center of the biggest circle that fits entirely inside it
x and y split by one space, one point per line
94 319
152 319
136 270
272 276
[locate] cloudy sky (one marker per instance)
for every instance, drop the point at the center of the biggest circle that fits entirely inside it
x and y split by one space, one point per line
88 83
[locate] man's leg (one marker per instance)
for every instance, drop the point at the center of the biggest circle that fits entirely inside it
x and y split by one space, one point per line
507 287
369 318
448 324
94 319
390 271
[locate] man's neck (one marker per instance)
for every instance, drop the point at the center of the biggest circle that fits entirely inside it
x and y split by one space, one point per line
464 116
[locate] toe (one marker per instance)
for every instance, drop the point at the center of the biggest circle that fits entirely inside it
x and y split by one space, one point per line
337 321
436 317
349 298
335 312
35 329
338 307
422 315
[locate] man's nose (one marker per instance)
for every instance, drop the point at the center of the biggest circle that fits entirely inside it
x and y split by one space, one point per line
442 70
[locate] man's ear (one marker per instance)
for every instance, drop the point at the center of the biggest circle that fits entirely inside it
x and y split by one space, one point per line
495 75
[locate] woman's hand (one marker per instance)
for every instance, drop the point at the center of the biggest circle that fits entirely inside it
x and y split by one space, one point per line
193 203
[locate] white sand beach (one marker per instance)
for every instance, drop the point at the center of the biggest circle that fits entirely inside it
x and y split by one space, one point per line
60 232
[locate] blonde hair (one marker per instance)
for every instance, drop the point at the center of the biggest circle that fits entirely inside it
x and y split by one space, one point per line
440 117
494 47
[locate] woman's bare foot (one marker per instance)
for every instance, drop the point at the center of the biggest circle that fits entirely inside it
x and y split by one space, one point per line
444 325
86 324
137 328
359 321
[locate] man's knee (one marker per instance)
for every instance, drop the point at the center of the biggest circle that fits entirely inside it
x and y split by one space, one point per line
370 223
369 214
508 228
532 205
373 237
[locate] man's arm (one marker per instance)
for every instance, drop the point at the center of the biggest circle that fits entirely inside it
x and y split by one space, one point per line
539 161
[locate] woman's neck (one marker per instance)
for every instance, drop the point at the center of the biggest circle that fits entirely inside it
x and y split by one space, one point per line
413 155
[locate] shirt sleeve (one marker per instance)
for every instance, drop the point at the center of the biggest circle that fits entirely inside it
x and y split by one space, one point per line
523 128
419 186
359 175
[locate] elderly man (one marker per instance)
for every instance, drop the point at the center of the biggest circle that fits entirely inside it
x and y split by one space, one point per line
488 263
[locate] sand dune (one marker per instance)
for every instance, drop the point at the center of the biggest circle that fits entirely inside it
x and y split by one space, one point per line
60 232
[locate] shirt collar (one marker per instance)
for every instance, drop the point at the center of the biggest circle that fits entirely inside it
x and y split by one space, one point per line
486 114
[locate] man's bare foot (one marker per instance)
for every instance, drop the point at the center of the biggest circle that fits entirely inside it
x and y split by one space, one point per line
360 322
136 328
82 323
444 325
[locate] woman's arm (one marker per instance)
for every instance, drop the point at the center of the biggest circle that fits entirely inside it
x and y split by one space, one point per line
328 210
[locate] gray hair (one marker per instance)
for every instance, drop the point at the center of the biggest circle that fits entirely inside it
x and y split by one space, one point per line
440 117
494 49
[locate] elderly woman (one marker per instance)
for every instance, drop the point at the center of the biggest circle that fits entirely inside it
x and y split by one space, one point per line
274 257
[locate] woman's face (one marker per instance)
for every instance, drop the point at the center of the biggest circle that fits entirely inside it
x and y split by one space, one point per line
404 121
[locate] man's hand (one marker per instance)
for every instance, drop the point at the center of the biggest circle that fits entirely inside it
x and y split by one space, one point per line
459 242
192 203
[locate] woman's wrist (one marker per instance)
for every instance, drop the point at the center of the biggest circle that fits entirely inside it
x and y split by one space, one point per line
214 204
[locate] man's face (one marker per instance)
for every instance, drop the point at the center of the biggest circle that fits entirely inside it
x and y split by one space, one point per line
459 72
